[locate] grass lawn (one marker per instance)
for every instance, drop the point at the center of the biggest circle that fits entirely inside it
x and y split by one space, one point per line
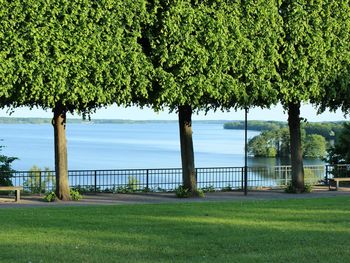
309 230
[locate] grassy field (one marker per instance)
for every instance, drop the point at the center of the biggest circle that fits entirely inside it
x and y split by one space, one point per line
310 230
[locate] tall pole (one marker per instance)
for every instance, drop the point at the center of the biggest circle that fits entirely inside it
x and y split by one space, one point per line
245 151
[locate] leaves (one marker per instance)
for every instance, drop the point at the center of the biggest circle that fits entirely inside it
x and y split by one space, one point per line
80 54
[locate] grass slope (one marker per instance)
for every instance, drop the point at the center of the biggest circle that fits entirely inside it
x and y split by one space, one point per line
311 230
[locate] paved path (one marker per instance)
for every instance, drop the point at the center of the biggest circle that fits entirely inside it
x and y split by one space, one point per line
154 198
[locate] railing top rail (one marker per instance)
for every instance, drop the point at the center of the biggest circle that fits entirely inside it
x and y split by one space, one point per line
172 169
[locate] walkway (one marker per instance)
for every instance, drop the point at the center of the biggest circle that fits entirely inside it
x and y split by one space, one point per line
155 198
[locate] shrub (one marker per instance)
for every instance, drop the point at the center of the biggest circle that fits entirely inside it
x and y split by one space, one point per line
50 197
227 188
291 190
182 192
6 172
38 181
130 187
209 189
310 177
75 195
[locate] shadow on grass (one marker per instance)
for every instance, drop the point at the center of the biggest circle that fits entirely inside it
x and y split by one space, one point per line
291 231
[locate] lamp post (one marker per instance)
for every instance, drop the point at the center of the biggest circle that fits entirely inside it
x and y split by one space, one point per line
245 151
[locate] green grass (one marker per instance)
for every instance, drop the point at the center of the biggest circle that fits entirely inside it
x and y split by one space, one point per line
309 230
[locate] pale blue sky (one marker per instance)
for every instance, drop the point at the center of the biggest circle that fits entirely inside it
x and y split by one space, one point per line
134 113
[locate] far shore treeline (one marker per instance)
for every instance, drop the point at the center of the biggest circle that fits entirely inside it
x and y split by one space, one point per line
327 129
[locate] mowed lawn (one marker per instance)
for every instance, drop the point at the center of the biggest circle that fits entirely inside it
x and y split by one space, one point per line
308 230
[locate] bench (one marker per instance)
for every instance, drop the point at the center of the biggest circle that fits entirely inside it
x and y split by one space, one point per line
336 181
13 188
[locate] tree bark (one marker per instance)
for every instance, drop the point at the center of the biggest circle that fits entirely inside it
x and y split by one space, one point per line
61 166
187 155
295 147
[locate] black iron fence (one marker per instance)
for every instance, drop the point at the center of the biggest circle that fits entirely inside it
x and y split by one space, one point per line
168 179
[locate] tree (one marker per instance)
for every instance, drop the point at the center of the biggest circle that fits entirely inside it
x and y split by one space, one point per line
340 152
6 171
314 146
263 145
309 52
68 56
275 143
186 41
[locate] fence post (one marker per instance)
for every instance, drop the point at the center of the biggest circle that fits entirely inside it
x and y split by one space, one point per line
147 178
326 177
40 189
242 178
286 176
95 175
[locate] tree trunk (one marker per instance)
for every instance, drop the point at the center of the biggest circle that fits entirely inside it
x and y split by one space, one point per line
186 143
295 147
61 167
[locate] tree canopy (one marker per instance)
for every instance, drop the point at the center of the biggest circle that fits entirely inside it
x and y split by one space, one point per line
79 54
186 43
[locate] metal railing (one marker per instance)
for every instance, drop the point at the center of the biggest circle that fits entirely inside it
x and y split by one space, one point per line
168 179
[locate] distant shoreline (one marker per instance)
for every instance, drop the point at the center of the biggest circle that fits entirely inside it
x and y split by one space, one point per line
227 124
34 120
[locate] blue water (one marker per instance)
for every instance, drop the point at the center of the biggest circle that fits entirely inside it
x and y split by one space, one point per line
114 146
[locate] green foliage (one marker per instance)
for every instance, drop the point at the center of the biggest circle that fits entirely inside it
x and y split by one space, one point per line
200 193
6 172
131 187
275 143
308 188
38 181
182 192
310 178
50 197
314 146
208 189
186 42
75 195
340 152
255 125
76 54
329 130
290 189
227 188
310 47
262 145
253 53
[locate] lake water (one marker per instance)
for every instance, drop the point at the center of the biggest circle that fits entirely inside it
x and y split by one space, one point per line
139 145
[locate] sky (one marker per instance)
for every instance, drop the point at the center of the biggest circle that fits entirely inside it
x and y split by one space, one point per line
133 113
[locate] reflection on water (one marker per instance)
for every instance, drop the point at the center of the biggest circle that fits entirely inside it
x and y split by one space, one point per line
262 162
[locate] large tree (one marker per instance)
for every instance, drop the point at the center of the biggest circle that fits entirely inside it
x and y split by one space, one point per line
309 50
68 56
185 42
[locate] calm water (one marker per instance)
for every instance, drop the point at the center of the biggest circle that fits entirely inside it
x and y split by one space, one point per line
112 146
